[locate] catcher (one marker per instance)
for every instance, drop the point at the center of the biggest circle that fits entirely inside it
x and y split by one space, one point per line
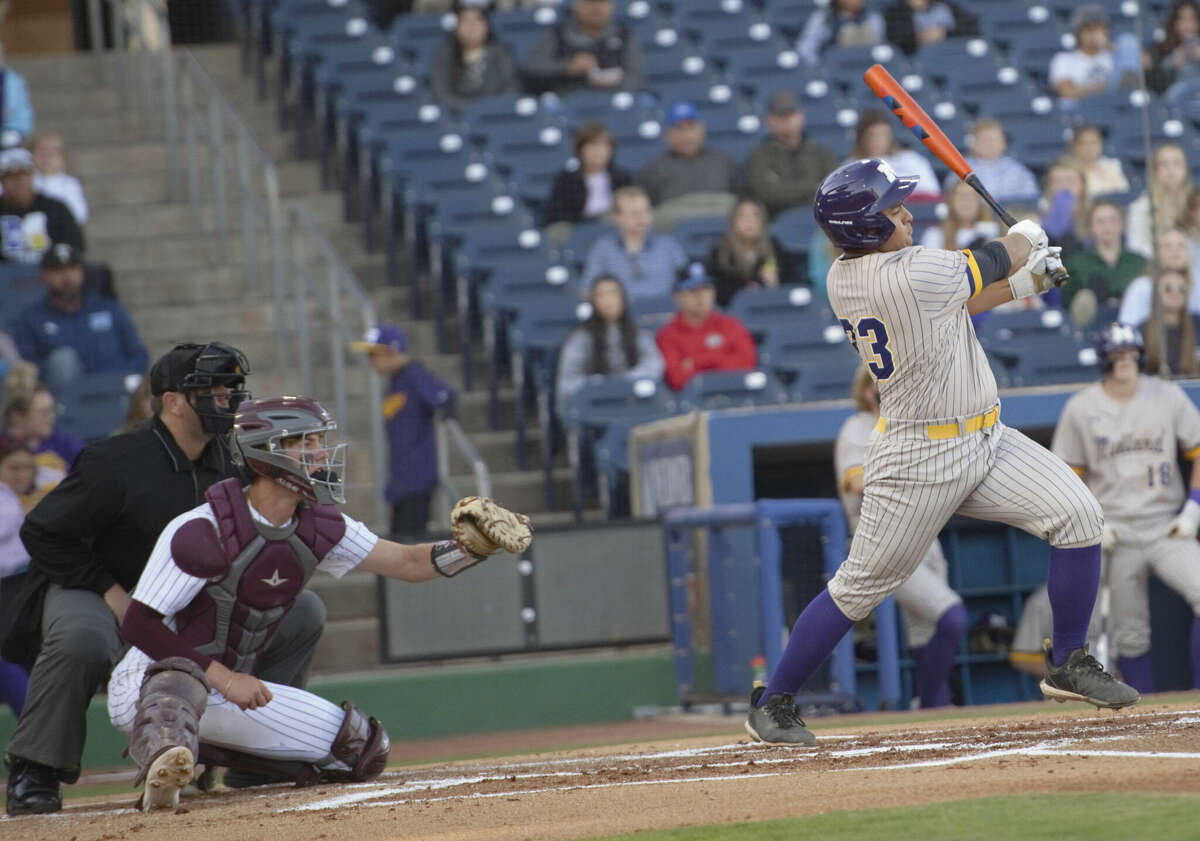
219 580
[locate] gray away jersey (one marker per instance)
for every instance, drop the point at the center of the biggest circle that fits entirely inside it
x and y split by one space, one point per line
849 455
905 312
1129 451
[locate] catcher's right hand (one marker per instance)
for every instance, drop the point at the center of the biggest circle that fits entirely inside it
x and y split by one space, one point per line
481 527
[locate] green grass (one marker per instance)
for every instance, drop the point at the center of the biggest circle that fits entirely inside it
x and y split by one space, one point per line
1061 817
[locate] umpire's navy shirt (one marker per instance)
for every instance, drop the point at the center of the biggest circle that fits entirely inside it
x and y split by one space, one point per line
414 394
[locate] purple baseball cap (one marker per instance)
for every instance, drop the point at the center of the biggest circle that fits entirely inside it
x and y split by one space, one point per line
382 335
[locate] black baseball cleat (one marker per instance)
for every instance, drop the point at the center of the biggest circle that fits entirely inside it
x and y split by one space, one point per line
1082 678
778 721
33 788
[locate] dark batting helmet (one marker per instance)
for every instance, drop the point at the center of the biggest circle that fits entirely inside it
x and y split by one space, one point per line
263 427
850 203
1115 337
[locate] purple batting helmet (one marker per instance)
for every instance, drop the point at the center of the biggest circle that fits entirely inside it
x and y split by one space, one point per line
263 426
1114 337
850 203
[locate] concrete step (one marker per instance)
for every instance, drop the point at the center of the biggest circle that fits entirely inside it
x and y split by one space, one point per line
353 596
522 491
498 450
348 644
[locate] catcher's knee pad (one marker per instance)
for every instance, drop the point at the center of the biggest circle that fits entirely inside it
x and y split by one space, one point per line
173 696
361 743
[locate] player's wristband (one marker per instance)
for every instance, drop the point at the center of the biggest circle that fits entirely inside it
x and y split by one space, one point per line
450 559
1194 495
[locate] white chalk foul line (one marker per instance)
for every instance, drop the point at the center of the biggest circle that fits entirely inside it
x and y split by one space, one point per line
521 792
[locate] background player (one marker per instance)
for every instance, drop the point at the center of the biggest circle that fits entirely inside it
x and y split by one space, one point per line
1123 436
219 580
939 446
934 614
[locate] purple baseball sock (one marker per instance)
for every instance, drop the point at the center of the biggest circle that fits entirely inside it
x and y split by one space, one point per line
1196 652
937 658
14 683
813 638
1136 671
1072 584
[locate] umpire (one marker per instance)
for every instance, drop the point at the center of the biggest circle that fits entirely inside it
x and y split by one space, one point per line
89 540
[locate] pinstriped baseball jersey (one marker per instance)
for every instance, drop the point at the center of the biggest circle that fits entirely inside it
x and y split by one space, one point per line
1129 451
903 311
295 724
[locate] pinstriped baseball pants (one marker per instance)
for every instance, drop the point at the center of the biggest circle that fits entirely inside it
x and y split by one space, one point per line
913 485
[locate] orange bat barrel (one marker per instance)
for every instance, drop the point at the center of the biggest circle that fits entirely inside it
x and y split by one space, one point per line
886 87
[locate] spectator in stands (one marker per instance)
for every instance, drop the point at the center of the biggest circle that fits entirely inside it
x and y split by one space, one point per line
414 395
471 62
17 114
1064 204
50 176
589 49
16 478
1103 175
747 256
1169 183
873 138
1189 223
787 167
608 343
646 263
29 419
30 221
586 191
1173 255
1178 334
1006 178
699 338
687 166
140 407
914 23
1093 66
968 221
1101 273
72 332
843 23
1177 57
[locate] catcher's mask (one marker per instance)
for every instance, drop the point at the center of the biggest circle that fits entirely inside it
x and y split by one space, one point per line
287 439
196 369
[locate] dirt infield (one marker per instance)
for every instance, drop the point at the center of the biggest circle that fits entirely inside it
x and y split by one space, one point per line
709 779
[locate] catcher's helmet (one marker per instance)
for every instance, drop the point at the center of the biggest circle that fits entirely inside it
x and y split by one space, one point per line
850 203
261 430
1114 337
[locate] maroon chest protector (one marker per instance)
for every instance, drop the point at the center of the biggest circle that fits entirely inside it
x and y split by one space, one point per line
255 572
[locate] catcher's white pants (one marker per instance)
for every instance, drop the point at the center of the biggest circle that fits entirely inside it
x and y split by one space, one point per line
913 485
295 725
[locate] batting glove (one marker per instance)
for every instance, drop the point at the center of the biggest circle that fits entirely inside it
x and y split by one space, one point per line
1032 231
1186 522
1032 278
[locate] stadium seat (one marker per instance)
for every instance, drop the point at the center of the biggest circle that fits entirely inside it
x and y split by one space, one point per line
520 28
846 65
20 287
581 239
497 113
794 229
825 373
787 307
653 311
731 389
94 406
419 35
699 234
807 342
1053 360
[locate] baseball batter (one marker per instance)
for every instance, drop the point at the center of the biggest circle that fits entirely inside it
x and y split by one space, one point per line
219 580
934 614
939 446
1123 435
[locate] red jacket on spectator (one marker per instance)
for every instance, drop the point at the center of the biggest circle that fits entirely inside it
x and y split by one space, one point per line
719 343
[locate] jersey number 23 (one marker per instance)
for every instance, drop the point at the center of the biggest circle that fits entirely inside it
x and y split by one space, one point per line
873 331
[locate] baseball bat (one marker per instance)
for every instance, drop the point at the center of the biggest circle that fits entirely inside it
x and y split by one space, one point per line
927 130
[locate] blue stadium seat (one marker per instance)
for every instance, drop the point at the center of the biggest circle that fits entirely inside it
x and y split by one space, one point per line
699 234
763 310
794 228
1054 359
94 406
846 65
1034 49
680 62
601 106
653 311
20 287
970 84
824 372
736 33
1011 328
581 239
521 28
493 113
808 339
1013 102
731 389
419 35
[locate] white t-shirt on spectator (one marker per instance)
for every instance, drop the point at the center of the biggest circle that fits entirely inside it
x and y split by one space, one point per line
65 188
1135 303
1082 69
599 194
908 162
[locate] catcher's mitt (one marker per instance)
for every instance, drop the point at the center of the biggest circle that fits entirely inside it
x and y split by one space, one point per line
480 526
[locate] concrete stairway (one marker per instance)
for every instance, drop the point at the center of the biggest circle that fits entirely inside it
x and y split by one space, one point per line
181 283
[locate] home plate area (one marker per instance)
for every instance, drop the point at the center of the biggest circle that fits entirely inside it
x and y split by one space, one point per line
1147 735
